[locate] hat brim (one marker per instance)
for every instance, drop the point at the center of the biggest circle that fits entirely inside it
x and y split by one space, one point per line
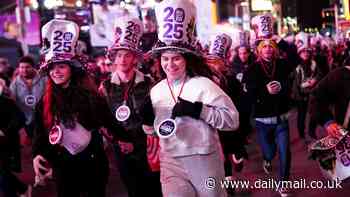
211 56
136 51
308 49
159 50
45 67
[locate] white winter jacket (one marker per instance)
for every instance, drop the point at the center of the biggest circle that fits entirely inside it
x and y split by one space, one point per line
194 136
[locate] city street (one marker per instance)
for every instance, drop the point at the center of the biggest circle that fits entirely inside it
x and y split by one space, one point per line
182 70
302 168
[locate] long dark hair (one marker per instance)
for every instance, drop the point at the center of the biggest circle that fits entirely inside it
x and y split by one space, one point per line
237 60
195 66
65 104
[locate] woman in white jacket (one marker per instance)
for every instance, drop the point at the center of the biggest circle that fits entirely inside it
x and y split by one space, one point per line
188 109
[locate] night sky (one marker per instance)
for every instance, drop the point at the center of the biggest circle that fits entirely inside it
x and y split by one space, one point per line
309 12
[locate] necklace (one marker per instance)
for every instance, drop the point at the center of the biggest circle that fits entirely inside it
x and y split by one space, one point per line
264 66
171 91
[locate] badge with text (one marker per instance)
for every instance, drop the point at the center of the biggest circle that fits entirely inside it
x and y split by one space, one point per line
166 128
30 100
122 113
239 77
55 135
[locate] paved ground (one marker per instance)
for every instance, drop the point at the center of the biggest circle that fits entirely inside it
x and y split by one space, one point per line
302 168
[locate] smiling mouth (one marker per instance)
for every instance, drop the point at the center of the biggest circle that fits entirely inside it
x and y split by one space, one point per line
173 70
58 77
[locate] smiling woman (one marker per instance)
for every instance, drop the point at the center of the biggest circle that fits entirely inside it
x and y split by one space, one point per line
61 74
67 141
188 107
173 64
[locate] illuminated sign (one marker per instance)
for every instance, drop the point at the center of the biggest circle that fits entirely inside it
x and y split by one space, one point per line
346 9
261 5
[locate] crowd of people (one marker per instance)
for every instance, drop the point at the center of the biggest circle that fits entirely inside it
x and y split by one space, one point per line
176 111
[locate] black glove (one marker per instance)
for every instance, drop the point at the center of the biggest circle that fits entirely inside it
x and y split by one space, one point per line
148 114
187 108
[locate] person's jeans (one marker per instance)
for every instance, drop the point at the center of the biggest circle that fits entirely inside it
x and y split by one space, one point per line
270 136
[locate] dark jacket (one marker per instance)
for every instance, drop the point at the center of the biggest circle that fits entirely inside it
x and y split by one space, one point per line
239 67
239 71
232 142
11 121
300 75
138 91
333 90
91 112
267 105
321 61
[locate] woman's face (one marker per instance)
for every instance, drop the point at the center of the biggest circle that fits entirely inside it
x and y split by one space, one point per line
173 64
61 74
305 55
267 52
243 54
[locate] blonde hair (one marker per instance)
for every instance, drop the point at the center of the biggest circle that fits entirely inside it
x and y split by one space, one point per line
269 42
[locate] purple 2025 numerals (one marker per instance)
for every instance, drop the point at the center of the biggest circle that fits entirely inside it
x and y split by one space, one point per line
219 44
62 41
131 32
265 23
174 20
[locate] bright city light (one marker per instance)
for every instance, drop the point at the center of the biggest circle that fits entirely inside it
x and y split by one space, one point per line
79 3
34 4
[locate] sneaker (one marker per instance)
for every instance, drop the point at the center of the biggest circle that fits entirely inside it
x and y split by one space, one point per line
284 192
267 166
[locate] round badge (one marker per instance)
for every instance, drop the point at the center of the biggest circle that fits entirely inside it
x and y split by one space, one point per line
122 113
68 36
167 128
239 77
55 135
30 100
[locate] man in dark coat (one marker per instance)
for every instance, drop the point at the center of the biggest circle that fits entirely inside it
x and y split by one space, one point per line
11 121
